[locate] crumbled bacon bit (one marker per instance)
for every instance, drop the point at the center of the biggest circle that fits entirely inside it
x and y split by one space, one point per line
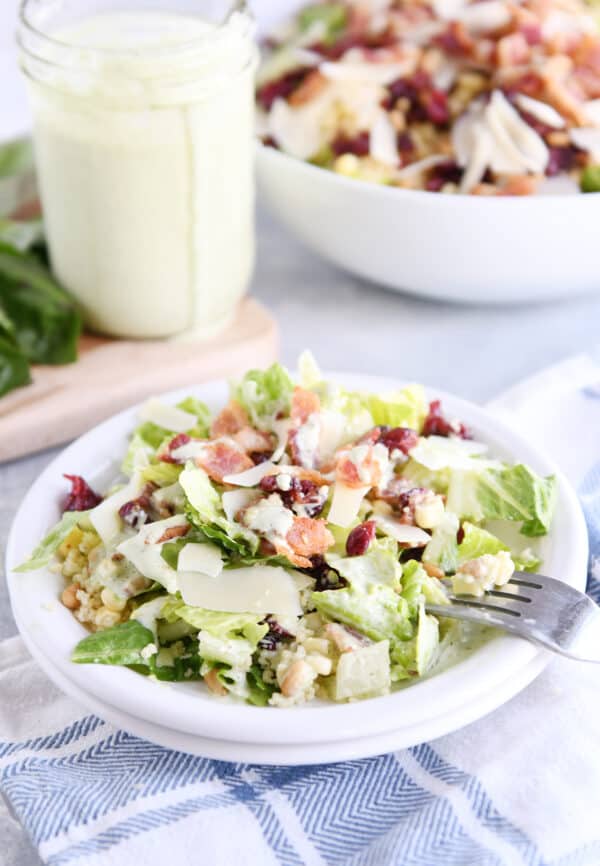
360 538
81 496
308 89
223 457
512 50
455 39
306 538
181 439
230 420
304 404
436 425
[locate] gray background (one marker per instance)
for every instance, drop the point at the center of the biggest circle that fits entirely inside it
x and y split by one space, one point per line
350 325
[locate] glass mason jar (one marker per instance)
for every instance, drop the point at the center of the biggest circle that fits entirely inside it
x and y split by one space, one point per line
143 131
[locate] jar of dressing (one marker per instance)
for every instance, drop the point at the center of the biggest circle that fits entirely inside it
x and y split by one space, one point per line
143 132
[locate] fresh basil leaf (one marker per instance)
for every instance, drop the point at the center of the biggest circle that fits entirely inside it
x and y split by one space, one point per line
47 324
14 367
120 645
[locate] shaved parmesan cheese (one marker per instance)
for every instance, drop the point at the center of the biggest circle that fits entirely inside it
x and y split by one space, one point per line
346 503
234 500
169 417
281 429
105 517
587 138
331 434
257 589
592 111
189 451
384 140
205 558
416 168
298 131
144 552
253 476
541 111
403 533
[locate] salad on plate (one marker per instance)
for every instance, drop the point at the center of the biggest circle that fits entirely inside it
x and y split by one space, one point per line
481 97
285 548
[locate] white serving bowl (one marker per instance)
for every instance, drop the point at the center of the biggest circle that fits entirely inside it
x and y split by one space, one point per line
188 716
450 247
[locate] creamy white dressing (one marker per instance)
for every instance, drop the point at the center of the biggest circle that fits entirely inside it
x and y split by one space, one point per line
143 135
270 517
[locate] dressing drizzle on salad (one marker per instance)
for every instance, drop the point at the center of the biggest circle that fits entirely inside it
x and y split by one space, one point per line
285 548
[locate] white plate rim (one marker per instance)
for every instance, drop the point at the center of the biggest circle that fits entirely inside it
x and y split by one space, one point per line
209 718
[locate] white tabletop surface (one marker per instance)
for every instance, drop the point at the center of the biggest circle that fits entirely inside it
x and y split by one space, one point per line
349 324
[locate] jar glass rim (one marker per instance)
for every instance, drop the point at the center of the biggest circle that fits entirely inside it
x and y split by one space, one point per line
27 26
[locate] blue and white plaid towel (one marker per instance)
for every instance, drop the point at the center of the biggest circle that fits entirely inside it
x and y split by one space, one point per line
521 786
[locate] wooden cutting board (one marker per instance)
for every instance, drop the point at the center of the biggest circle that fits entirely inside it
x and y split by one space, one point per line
65 401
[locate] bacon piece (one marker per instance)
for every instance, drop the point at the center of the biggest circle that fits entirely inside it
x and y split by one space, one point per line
254 441
455 39
223 457
512 50
304 404
179 440
347 472
314 83
230 420
307 537
174 532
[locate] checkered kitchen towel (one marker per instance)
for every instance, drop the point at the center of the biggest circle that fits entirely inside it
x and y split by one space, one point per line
521 786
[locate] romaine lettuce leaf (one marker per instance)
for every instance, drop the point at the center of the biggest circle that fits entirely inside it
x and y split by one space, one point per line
476 542
222 625
203 509
378 565
442 550
264 393
404 408
48 546
514 493
380 613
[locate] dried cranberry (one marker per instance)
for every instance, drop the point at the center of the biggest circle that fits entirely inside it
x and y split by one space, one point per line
258 457
360 538
560 159
275 635
281 88
460 535
325 577
435 184
401 438
435 103
81 497
445 172
436 425
359 144
138 511
269 484
176 442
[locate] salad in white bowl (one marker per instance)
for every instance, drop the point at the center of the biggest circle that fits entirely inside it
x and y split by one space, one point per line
285 548
481 97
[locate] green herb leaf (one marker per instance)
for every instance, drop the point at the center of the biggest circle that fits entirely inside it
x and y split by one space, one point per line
120 645
47 325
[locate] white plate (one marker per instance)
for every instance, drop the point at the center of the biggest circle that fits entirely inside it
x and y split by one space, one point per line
429 708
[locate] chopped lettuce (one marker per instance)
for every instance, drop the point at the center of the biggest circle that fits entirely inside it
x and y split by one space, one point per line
46 549
514 493
259 692
264 393
363 673
419 587
379 612
333 17
222 625
442 550
404 408
476 542
203 508
428 639
379 565
163 474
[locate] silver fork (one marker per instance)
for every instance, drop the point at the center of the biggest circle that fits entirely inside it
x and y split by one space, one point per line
541 609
